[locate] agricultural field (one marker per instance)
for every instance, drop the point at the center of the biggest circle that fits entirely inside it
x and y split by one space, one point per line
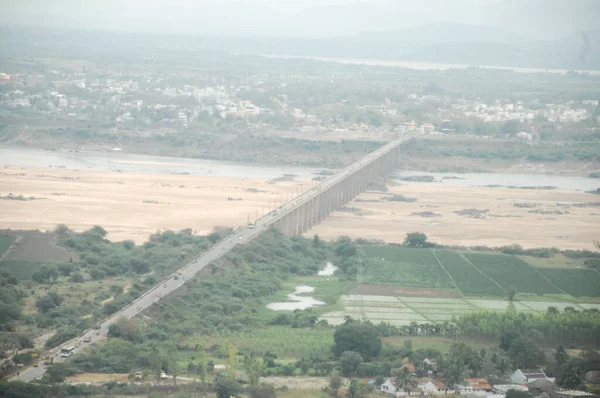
403 310
22 270
5 242
468 278
509 270
576 282
403 267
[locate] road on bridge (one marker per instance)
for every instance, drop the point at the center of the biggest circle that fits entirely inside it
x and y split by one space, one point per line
170 284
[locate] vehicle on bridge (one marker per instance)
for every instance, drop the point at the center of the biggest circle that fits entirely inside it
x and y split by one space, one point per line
67 351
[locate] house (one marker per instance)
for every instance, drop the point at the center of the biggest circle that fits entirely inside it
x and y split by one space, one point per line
389 387
427 385
479 387
521 376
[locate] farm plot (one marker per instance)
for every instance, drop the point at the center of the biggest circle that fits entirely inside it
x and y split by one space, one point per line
403 267
497 305
468 279
576 282
406 299
5 242
509 270
21 269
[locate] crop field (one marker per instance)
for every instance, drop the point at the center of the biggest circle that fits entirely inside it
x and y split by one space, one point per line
5 242
403 267
576 282
509 270
430 309
468 279
21 269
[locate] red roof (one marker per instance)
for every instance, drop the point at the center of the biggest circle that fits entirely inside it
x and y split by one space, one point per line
479 384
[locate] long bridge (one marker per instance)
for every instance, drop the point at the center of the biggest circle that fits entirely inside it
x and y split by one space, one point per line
292 218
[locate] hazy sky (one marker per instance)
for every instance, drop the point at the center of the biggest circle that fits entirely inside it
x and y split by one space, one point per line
297 18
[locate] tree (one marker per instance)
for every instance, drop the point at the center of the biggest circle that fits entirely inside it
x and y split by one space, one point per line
316 241
512 292
261 391
404 378
335 382
45 274
452 369
358 389
502 367
518 394
253 368
525 354
561 356
349 362
360 337
226 387
571 374
416 239
48 302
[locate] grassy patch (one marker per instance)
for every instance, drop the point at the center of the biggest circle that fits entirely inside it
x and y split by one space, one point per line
401 266
284 341
441 344
577 282
5 242
468 279
510 270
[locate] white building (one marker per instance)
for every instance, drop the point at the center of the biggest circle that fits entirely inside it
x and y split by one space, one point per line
521 376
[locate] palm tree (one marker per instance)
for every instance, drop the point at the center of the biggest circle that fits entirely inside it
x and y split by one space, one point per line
404 378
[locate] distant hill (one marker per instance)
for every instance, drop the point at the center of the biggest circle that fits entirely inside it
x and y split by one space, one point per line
446 32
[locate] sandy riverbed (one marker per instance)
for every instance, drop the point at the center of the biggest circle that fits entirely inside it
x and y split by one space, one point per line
504 223
134 205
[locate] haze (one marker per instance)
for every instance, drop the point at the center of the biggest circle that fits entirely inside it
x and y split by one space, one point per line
531 19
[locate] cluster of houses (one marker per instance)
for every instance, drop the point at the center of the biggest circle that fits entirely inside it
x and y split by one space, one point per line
533 381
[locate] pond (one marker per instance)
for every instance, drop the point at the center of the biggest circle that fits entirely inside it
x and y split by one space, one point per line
295 301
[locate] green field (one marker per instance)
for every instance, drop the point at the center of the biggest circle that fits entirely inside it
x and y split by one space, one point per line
509 270
21 269
401 266
5 242
468 279
284 341
576 282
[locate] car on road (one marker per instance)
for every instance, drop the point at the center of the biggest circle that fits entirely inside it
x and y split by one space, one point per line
165 285
87 339
239 238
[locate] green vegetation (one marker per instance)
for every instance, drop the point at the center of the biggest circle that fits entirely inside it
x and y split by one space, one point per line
508 270
468 279
393 265
24 270
5 242
576 282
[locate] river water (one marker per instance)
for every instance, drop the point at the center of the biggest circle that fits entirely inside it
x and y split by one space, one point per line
573 183
127 162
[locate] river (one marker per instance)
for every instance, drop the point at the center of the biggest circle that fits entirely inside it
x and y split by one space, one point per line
120 161
128 162
572 183
416 65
